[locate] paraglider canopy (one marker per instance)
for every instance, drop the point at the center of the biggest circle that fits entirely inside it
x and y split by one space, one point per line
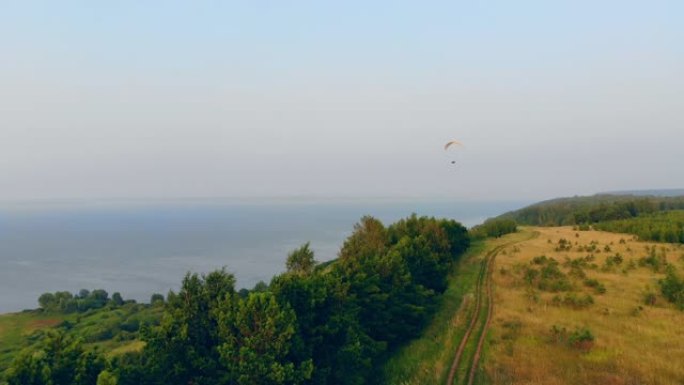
453 142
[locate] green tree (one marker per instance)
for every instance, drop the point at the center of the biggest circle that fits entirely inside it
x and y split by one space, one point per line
58 360
257 339
183 349
368 239
301 260
157 299
117 299
47 301
106 378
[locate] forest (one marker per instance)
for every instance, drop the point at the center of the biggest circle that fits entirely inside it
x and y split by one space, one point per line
658 227
330 323
592 209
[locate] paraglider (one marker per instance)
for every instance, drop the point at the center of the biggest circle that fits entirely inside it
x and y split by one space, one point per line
452 143
449 144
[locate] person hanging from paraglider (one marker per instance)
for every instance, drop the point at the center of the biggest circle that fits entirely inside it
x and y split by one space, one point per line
452 143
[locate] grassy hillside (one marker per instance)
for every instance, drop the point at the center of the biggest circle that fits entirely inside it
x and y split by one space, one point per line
113 330
570 307
590 313
16 330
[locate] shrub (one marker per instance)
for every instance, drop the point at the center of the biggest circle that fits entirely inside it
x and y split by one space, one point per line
540 260
672 288
596 285
578 302
581 338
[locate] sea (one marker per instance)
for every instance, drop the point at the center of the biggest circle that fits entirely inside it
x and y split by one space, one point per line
145 248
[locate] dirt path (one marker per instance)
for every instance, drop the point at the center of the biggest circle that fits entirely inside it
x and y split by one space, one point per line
490 310
483 279
473 321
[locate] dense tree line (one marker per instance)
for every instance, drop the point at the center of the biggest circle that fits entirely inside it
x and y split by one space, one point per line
66 302
494 228
85 300
330 323
658 227
594 209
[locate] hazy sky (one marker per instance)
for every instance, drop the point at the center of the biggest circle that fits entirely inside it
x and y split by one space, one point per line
164 99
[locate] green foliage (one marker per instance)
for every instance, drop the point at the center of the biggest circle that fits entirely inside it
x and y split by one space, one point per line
332 324
574 300
596 285
157 299
106 378
256 339
549 277
58 360
658 227
654 260
584 211
184 348
85 300
494 228
117 299
415 362
672 288
581 338
616 259
564 245
301 261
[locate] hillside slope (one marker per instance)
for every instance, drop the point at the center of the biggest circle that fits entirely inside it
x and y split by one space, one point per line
585 308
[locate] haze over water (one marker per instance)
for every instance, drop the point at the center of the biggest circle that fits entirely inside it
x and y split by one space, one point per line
143 249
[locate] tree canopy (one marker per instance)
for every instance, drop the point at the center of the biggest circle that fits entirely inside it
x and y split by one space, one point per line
313 324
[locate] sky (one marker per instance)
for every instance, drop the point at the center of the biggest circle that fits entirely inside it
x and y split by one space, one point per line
181 99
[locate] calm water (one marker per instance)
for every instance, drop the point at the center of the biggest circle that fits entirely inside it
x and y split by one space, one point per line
147 249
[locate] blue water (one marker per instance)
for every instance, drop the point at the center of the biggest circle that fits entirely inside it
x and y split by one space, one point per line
145 249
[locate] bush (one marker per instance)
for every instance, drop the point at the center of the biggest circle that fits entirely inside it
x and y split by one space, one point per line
596 285
581 338
672 288
578 302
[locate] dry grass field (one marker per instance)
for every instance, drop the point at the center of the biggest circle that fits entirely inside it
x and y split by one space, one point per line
539 330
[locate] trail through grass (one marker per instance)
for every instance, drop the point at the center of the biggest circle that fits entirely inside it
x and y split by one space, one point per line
427 360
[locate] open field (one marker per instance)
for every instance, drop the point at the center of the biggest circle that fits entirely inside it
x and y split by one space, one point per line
602 283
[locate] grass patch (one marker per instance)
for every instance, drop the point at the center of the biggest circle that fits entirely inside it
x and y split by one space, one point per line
134 346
